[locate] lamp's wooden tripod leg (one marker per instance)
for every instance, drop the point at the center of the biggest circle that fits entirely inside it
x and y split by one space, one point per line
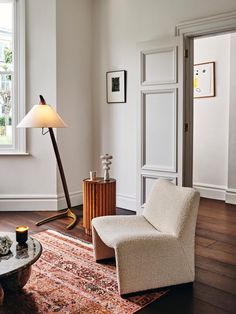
73 216
54 217
68 213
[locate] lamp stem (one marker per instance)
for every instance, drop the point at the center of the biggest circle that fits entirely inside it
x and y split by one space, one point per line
61 170
68 212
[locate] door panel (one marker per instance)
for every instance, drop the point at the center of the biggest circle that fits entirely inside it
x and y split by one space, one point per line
159 117
159 66
147 183
160 139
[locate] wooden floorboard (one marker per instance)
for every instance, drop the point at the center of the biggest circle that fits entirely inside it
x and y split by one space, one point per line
216 280
214 290
216 297
209 234
219 267
218 255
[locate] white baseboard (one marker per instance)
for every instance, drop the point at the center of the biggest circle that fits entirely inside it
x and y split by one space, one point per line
50 202
126 202
210 191
47 202
230 196
38 202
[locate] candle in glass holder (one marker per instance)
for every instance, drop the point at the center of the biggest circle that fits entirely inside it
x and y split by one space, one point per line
22 234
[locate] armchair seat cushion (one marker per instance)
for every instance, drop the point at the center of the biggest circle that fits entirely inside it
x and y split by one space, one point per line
115 229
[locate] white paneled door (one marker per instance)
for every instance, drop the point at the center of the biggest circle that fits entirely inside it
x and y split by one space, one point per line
161 114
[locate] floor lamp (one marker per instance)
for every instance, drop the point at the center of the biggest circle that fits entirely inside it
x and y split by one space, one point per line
43 116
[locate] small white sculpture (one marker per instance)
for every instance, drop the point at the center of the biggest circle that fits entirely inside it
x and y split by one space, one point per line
106 161
5 245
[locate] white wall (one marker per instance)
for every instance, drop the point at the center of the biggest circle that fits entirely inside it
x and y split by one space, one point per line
27 179
118 27
58 66
74 50
211 120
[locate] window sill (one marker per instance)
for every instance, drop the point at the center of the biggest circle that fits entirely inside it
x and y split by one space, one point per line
13 154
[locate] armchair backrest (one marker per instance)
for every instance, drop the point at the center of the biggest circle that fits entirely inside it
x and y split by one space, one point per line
172 209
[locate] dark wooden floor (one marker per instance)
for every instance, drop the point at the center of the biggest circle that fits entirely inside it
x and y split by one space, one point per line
214 291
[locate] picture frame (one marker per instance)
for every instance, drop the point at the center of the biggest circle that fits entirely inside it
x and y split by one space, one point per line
204 80
116 86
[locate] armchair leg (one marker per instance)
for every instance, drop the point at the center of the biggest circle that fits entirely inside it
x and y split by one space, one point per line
101 250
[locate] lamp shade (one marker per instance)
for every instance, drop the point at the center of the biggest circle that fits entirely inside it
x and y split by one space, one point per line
42 116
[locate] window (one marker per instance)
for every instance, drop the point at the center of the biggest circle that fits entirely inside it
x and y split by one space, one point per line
12 82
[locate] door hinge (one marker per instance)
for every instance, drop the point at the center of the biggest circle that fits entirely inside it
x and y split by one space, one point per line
186 53
185 127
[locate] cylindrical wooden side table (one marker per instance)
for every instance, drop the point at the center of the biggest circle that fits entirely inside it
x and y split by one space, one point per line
99 199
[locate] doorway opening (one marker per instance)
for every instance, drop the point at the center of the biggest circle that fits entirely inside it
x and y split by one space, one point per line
212 26
212 83
212 116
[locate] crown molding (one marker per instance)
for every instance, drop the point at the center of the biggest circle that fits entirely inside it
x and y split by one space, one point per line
217 23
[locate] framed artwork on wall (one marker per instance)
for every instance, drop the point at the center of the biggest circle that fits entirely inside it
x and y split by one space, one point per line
204 80
116 86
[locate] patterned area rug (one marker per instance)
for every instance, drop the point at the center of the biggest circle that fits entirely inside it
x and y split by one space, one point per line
67 280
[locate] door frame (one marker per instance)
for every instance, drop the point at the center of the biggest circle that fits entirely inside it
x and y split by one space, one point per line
213 25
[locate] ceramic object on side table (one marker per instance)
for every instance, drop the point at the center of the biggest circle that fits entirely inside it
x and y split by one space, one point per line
106 161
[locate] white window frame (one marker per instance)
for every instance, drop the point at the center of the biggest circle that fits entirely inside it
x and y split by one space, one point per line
18 146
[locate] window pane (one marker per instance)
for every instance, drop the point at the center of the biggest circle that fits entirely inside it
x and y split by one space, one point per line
6 73
6 109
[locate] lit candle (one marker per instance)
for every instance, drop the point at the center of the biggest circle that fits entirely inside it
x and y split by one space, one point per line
22 234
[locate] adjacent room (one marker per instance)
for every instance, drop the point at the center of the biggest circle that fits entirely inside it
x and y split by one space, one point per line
212 126
117 156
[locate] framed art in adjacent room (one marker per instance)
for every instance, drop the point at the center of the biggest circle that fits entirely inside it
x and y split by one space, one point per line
204 80
116 86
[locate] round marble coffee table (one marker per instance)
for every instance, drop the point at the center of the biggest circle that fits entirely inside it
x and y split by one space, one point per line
15 267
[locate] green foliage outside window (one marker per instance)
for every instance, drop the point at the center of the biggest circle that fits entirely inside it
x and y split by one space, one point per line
7 60
8 55
3 121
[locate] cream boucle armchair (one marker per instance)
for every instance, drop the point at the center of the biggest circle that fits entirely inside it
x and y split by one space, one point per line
155 249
